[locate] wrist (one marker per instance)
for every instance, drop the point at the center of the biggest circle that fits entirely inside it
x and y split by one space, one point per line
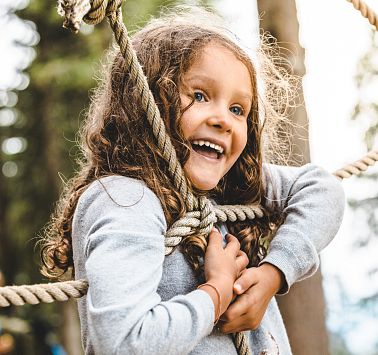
225 290
275 275
215 295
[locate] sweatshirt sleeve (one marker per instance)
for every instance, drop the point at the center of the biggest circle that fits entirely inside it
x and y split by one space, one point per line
123 224
312 200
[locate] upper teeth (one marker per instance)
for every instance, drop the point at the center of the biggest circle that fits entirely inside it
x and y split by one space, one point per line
217 147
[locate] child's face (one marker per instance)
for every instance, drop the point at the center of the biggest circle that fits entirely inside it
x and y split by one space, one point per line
220 85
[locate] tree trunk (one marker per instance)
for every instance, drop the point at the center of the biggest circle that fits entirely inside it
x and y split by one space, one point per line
71 328
303 309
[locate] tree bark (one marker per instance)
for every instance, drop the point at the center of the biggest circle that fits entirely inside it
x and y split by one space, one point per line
303 309
71 328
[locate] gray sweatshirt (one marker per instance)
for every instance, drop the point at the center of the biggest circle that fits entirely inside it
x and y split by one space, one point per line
141 302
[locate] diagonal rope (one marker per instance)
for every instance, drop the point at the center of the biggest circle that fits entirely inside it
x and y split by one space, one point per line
357 167
366 11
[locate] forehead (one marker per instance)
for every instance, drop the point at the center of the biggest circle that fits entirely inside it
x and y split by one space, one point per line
216 53
217 64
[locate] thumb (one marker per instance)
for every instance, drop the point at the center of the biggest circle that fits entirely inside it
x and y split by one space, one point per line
247 279
215 238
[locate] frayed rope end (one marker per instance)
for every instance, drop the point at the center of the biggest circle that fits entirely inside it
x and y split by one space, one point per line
73 12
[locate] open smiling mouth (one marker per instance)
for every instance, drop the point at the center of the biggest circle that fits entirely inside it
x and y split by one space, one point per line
207 149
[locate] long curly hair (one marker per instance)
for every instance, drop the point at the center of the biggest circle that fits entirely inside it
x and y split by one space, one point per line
116 139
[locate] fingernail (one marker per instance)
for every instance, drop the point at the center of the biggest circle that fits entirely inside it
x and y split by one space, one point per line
237 287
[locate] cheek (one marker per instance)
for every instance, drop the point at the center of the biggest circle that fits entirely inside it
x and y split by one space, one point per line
242 138
185 125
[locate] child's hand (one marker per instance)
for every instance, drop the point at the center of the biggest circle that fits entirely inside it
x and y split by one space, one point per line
255 288
224 265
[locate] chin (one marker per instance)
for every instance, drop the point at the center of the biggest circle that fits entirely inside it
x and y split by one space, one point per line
204 185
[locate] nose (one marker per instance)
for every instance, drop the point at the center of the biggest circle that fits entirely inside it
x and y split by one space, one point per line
221 119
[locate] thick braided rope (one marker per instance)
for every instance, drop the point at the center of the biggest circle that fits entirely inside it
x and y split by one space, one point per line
241 343
34 294
203 221
358 166
366 11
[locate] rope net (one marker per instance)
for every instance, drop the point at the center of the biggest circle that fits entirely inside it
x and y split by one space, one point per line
201 214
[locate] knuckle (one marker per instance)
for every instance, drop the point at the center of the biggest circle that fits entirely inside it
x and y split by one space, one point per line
245 258
227 317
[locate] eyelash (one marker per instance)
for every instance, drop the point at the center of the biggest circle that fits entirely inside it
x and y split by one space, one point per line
204 98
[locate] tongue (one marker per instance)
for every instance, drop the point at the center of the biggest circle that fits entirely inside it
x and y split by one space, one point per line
206 152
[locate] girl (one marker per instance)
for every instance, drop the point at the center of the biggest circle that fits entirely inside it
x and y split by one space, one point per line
110 223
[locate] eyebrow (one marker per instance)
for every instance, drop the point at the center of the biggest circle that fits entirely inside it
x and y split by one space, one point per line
205 78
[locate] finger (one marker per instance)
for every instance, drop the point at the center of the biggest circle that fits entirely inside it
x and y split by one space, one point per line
215 239
235 326
233 245
246 280
237 309
242 260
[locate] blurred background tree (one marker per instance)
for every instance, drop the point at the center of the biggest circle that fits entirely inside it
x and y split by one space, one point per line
366 113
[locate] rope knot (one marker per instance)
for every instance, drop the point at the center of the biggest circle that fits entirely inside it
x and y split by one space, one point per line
90 11
199 221
207 215
100 9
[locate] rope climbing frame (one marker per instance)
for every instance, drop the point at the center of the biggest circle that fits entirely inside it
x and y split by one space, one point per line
201 213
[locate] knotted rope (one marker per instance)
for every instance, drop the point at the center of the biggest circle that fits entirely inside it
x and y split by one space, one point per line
202 221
